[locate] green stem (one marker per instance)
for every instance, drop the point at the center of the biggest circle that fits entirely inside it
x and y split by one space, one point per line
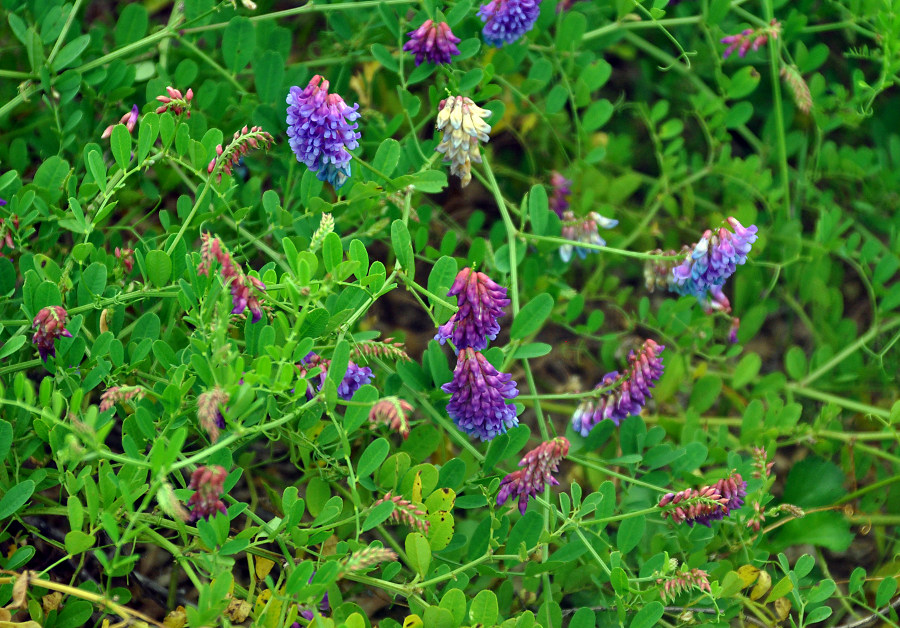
849 350
781 143
213 64
615 27
190 217
64 32
597 247
839 401
625 478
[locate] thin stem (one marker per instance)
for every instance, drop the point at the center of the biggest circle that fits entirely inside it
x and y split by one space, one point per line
781 143
597 247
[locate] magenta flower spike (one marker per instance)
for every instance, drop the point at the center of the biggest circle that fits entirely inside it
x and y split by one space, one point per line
129 120
481 302
50 323
432 42
706 504
750 39
233 275
538 466
206 502
629 394
478 397
322 130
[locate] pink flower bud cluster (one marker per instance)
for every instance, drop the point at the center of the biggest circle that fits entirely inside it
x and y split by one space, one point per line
761 465
750 39
392 411
243 142
119 394
368 557
176 102
206 502
233 275
129 120
406 512
538 465
209 411
682 581
51 324
126 258
706 504
386 348
6 238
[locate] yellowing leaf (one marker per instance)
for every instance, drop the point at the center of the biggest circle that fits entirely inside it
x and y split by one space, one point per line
763 582
263 567
748 574
50 602
783 608
413 621
417 488
176 619
238 610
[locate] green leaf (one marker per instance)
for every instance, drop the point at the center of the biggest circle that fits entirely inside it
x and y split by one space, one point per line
132 24
97 169
746 370
388 157
742 83
597 115
70 52
814 482
78 542
148 129
630 533
819 614
383 56
484 609
795 363
50 175
619 580
378 515
340 359
781 588
454 600
531 317
583 618
538 209
372 457
570 32
9 347
120 145
885 591
6 436
268 76
159 267
648 616
238 43
402 246
706 391
15 498
418 553
332 253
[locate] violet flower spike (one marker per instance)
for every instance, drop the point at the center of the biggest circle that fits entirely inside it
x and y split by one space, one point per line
538 465
706 504
712 261
562 189
750 39
630 392
435 43
320 131
478 397
506 21
129 120
481 302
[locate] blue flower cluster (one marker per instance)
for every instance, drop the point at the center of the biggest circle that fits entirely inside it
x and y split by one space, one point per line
505 21
320 131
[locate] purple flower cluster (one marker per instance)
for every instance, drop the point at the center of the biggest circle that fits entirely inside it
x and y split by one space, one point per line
706 504
478 395
562 189
538 465
354 378
586 230
712 261
206 502
505 21
129 120
51 324
320 131
432 41
481 302
629 392
233 275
